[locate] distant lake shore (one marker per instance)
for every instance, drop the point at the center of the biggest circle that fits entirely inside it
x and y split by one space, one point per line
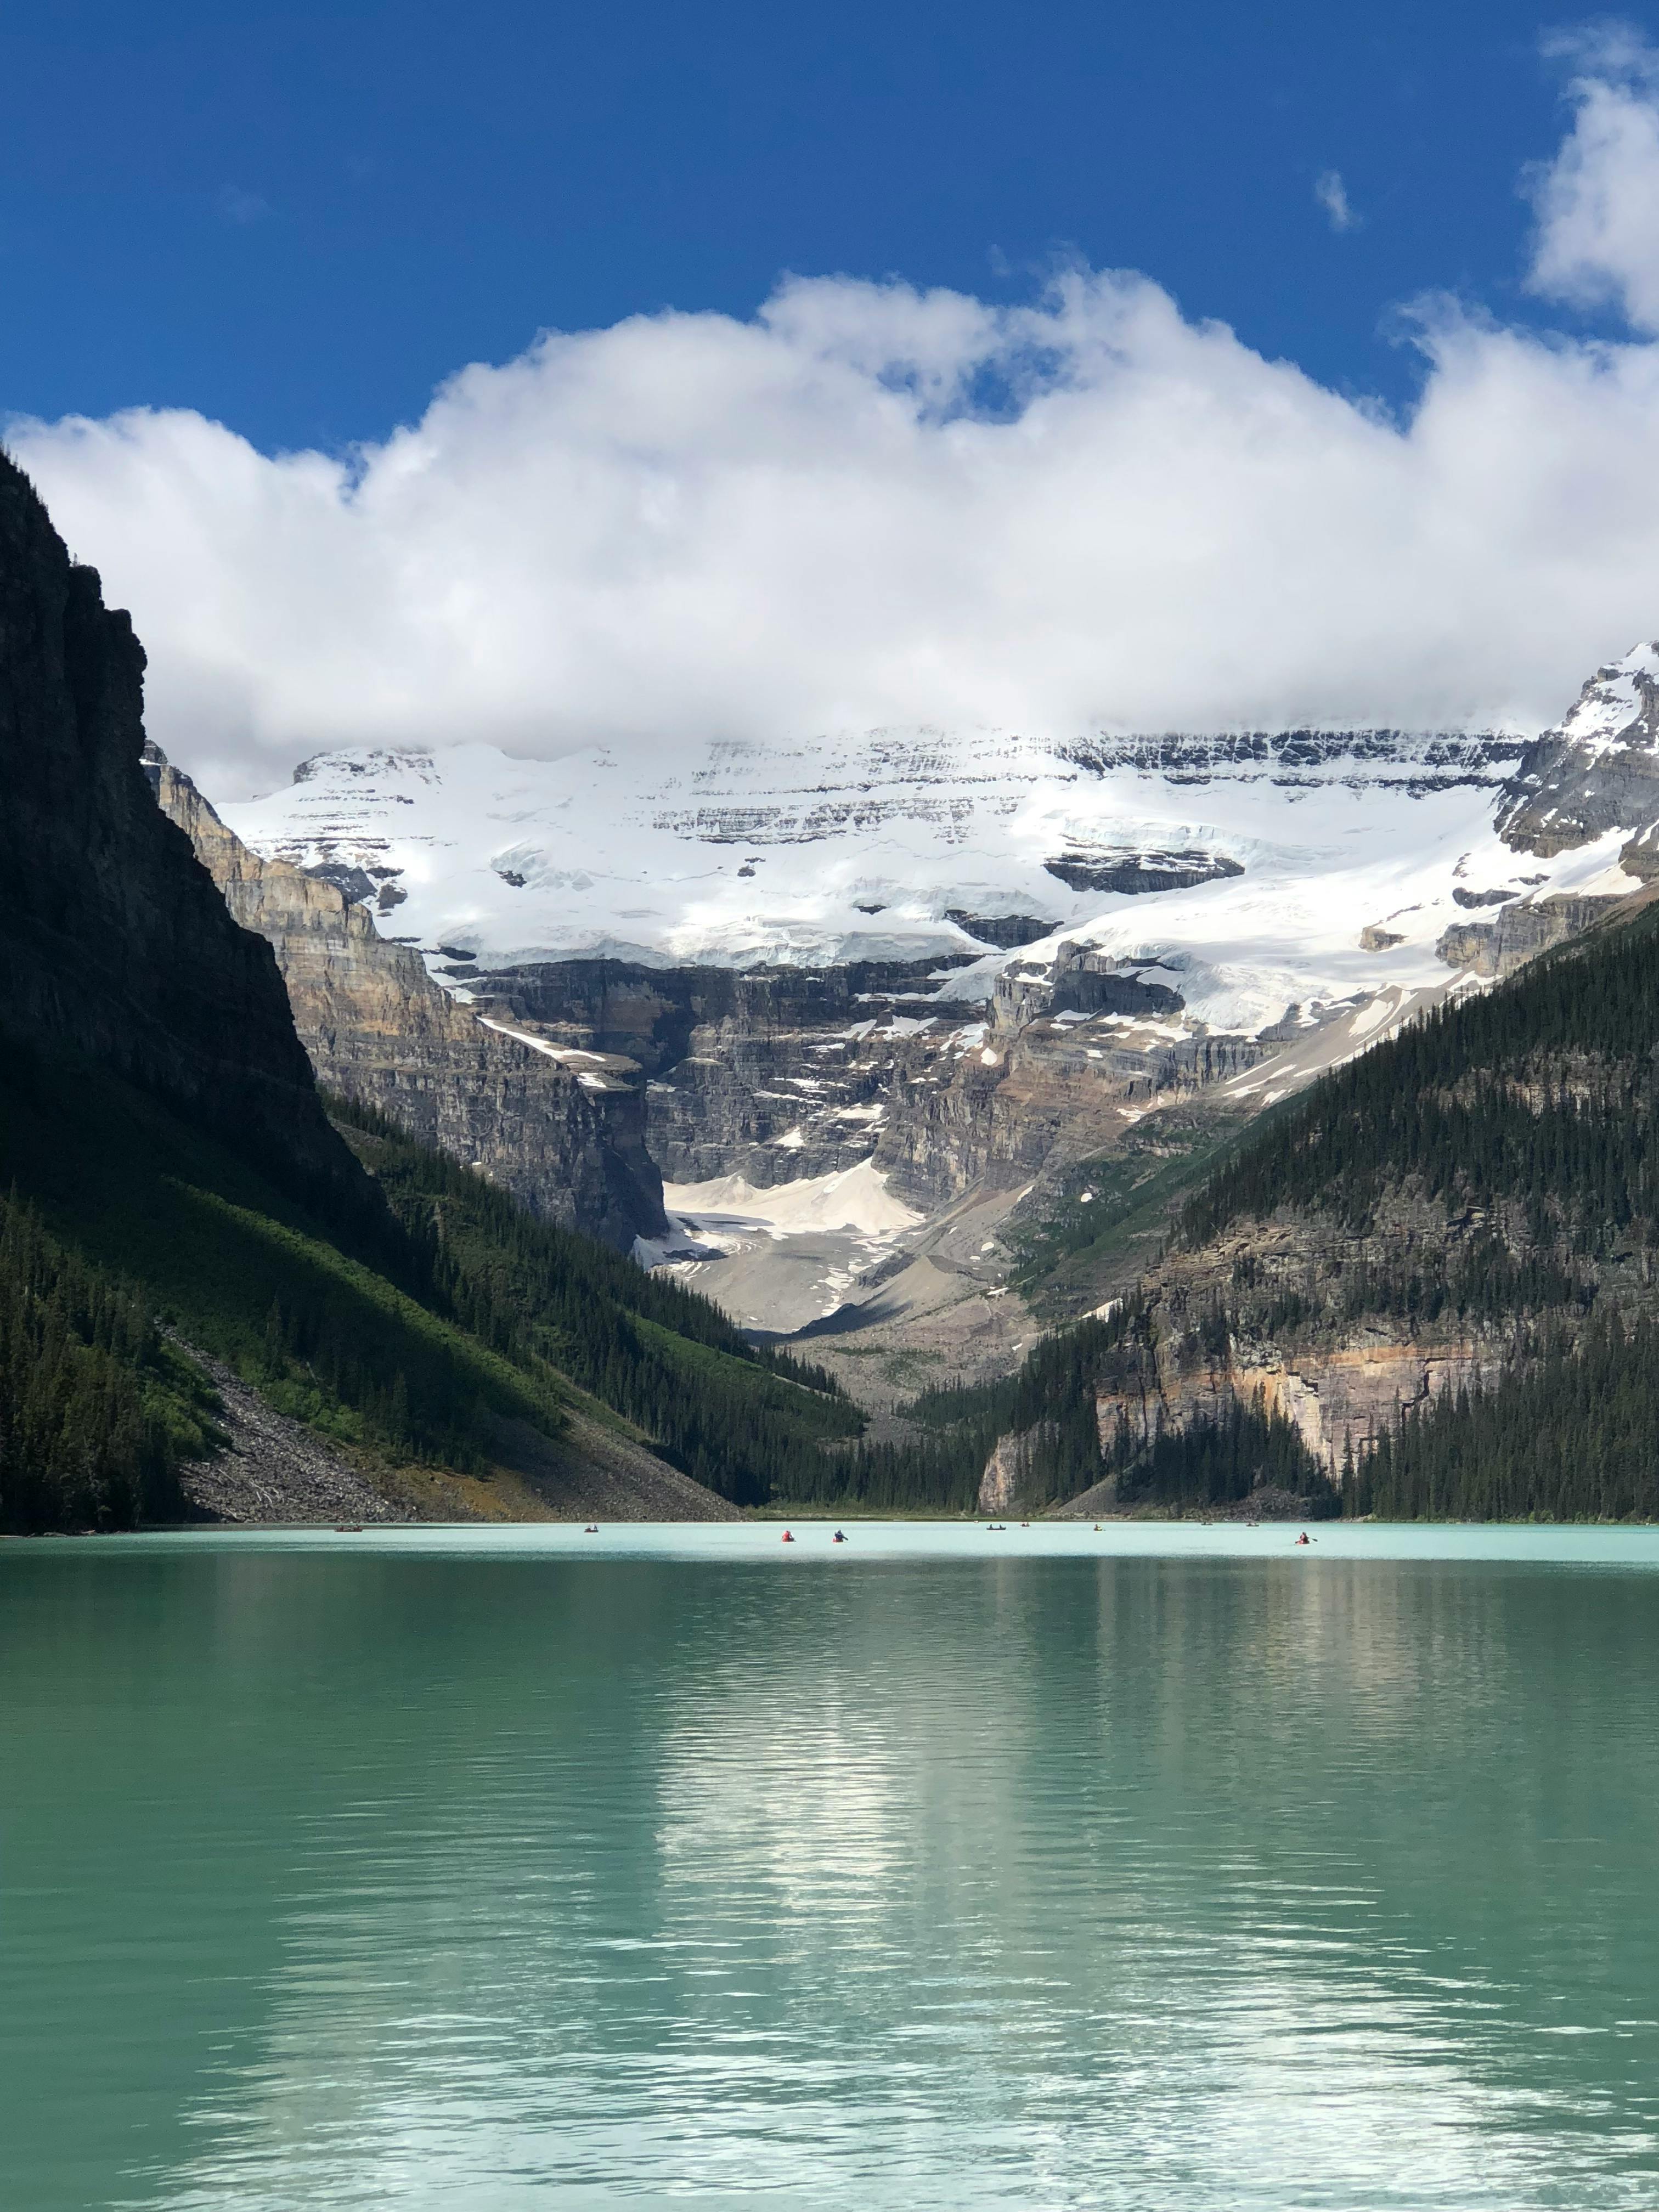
759 1536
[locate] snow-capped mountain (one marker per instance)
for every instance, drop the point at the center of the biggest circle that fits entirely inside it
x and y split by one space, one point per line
1255 871
1597 774
888 845
960 957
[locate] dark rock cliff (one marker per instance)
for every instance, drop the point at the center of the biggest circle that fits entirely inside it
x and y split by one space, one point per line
776 1073
113 941
771 1073
1521 932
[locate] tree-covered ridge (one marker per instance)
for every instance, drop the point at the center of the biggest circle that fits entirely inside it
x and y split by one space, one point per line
937 1467
1522 1122
1538 1094
405 1328
95 1407
742 1421
194 1238
1048 1407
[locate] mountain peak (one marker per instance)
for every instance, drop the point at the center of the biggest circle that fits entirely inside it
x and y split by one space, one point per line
1618 708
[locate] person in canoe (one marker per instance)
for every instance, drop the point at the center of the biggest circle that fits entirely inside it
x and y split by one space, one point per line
838 1537
1305 1538
787 1538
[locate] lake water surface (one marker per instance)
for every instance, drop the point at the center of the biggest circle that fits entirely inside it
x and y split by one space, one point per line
1164 1867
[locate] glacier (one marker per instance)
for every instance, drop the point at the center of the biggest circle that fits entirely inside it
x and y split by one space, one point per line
1254 864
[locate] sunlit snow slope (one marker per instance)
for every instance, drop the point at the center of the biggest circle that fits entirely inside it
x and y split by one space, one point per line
1274 852
1248 873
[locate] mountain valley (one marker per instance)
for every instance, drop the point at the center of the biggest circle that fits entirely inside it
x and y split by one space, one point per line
894 1120
974 961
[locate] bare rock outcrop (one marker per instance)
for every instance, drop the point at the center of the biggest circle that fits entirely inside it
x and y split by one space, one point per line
1010 1109
1598 770
570 1145
1338 1398
771 1073
1008 1470
1519 933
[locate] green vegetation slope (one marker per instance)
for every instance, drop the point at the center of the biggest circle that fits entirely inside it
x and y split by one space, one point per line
1482 1188
403 1325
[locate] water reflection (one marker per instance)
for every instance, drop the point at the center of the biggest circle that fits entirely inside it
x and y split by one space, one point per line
1136 1882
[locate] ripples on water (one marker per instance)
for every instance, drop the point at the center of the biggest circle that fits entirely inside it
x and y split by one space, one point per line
371 1877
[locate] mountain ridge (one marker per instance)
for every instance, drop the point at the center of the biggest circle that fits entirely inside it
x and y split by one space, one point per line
378 1029
175 1185
113 939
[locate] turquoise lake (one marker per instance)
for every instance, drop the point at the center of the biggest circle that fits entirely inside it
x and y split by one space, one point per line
1162 1868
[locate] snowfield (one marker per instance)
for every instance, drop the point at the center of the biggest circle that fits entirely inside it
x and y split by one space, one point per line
1260 877
782 1256
885 845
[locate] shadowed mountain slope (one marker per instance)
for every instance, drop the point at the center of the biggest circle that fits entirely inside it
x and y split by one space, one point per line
173 1185
112 940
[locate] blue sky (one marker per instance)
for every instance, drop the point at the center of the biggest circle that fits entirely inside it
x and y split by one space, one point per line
299 220
851 409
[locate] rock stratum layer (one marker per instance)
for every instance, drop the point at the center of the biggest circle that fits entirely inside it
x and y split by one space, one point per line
569 1144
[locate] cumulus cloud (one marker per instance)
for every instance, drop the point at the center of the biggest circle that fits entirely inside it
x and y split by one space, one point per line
1332 196
873 504
1598 202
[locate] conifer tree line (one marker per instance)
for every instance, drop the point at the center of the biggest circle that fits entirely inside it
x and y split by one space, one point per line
746 1422
404 1330
1224 1458
1051 1398
93 1412
1050 1408
420 1183
1572 1434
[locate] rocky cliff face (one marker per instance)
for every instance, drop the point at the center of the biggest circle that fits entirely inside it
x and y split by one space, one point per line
770 1073
1008 1109
1598 770
112 940
779 1073
1264 1313
1416 761
1497 948
795 1077
570 1142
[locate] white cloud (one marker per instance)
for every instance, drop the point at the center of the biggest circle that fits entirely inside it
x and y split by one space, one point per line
1598 202
1332 196
872 504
